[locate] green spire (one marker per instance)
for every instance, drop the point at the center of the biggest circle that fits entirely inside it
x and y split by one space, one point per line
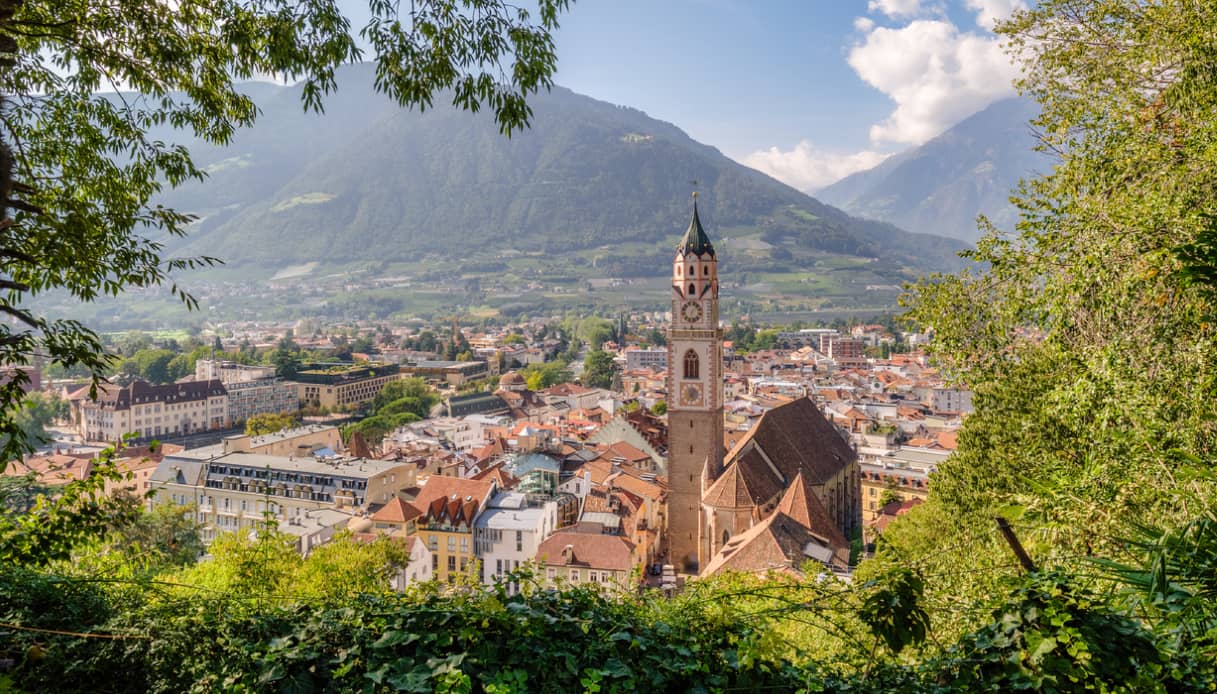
695 240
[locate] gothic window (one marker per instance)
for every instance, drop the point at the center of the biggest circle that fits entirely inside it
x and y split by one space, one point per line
692 289
726 536
691 365
705 270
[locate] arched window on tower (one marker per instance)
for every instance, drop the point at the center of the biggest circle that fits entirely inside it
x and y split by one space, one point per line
692 289
691 365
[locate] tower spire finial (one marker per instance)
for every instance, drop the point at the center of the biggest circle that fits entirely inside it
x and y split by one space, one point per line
695 240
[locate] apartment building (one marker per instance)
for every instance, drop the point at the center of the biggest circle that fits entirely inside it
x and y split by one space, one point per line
456 373
339 385
882 483
509 533
236 491
150 411
449 508
646 359
251 389
574 558
299 441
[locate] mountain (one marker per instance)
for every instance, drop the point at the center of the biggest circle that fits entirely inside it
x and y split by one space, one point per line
369 181
941 186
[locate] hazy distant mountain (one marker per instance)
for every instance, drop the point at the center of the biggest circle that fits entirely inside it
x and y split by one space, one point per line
370 181
941 186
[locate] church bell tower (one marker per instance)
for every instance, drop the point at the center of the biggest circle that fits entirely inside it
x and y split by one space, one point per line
695 394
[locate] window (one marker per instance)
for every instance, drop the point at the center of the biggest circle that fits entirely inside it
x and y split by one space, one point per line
551 573
451 543
465 545
435 562
451 564
692 289
692 369
433 541
726 536
519 541
574 575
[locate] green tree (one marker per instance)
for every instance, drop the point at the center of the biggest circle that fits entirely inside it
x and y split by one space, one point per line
598 369
81 171
542 376
345 567
154 364
287 363
595 331
1087 331
142 543
267 423
39 411
415 389
364 344
1085 322
660 408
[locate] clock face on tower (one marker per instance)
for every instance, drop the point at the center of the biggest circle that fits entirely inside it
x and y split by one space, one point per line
691 311
690 394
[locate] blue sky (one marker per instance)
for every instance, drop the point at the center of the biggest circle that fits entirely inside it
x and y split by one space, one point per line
805 90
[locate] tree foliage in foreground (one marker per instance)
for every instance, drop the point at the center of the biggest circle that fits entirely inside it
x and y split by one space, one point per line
79 171
1044 633
1089 338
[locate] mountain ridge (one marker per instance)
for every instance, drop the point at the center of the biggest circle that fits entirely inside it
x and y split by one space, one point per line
941 187
370 181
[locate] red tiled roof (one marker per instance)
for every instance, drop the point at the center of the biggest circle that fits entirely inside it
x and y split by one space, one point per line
396 511
453 499
589 550
776 544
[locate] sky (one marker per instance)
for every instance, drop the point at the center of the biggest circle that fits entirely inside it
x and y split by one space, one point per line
808 91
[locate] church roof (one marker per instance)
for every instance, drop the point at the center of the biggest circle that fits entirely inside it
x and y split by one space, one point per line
743 486
801 504
777 543
695 241
796 437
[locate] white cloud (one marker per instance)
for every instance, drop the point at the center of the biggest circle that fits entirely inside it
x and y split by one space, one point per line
936 74
989 11
864 24
808 168
895 8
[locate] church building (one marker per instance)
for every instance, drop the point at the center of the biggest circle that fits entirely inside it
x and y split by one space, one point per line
788 492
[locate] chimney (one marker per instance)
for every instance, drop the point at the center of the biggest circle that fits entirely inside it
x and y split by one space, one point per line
568 554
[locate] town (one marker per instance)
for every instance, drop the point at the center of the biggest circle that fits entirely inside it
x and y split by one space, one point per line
610 456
